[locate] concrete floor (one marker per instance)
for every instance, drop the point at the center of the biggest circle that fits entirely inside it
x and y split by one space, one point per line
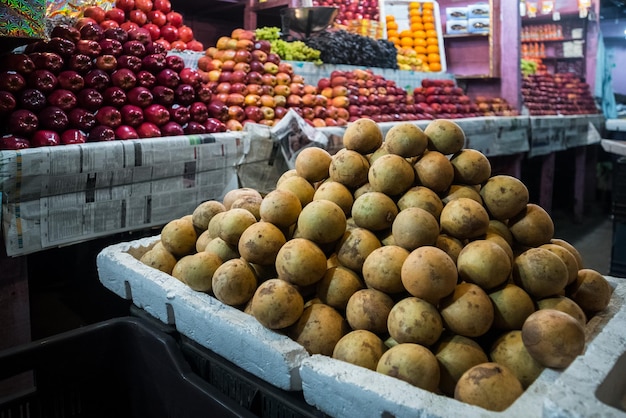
592 238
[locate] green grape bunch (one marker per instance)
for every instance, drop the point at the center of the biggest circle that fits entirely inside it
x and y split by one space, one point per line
288 50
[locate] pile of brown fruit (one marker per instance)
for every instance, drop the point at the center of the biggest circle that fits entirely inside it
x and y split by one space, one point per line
401 254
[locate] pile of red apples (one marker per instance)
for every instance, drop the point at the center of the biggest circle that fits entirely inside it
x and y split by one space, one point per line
557 94
166 26
362 93
87 83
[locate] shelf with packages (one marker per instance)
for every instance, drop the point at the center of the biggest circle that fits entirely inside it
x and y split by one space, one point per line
472 50
559 45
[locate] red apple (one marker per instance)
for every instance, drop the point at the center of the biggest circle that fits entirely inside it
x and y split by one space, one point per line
148 130
172 128
184 94
106 62
52 117
214 125
81 119
125 132
45 138
101 133
114 96
156 114
63 99
63 47
175 19
140 96
168 78
111 47
193 128
42 80
131 62
22 122
66 32
73 136
131 115
96 13
198 112
32 99
117 34
8 103
12 81
146 79
157 17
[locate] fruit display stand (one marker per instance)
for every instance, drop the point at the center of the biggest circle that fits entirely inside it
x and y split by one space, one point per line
61 195
340 389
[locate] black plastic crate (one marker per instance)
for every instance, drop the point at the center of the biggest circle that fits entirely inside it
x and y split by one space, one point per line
117 368
251 392
618 251
619 183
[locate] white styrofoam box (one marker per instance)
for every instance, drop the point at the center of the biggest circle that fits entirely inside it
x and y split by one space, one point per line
341 389
236 336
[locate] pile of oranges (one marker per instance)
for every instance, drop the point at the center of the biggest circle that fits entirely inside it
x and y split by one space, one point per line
421 35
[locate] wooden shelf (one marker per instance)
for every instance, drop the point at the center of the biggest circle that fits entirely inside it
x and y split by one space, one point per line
464 35
269 4
552 41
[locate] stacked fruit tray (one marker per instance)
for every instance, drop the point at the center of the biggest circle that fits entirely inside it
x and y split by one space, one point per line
411 306
335 386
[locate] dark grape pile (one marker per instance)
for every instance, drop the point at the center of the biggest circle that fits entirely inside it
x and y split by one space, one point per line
342 47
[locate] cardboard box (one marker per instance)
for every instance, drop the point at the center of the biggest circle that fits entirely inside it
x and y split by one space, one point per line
456 13
478 10
456 26
480 25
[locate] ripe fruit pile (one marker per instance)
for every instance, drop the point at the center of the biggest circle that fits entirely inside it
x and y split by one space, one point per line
92 84
357 93
420 36
165 25
557 94
442 98
255 85
287 50
405 256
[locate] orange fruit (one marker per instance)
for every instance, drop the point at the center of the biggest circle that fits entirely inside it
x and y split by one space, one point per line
427 6
427 11
432 41
429 26
431 33
394 39
392 34
390 18
419 42
428 19
419 34
423 57
414 5
419 49
433 58
415 20
414 12
416 26
406 41
432 49
406 34
392 25
434 66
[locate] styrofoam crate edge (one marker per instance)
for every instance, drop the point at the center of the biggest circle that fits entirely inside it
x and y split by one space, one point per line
120 271
574 392
240 338
227 331
331 384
